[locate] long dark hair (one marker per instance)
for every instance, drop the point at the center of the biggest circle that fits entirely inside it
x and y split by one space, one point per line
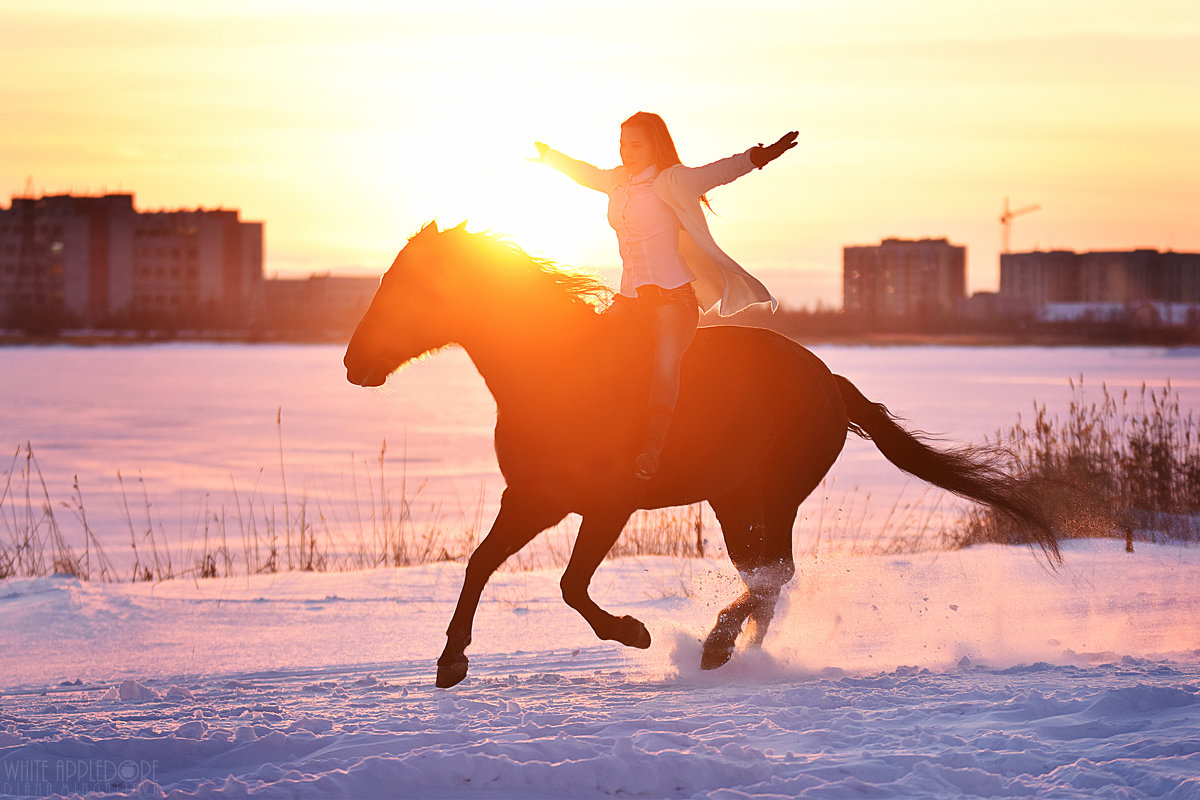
663 146
665 154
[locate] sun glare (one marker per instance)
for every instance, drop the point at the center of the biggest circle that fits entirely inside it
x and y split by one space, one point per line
346 130
549 216
487 178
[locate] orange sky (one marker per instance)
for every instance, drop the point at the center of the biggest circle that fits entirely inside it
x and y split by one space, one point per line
345 126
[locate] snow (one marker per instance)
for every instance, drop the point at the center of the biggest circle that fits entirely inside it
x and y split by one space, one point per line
979 673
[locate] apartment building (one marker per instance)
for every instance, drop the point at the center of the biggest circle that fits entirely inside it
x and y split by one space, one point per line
1031 281
904 277
96 261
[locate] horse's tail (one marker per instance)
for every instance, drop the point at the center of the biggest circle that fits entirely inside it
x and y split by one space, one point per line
975 474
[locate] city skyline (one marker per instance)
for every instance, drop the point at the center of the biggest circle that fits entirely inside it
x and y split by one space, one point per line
346 131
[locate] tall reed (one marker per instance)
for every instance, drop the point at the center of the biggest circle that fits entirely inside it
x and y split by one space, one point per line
1114 466
256 535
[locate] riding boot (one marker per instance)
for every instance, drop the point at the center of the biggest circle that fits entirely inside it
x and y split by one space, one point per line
658 422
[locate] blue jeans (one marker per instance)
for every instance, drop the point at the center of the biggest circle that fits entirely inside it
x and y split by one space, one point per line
673 315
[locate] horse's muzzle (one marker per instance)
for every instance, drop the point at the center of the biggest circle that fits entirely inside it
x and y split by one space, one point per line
368 381
364 377
361 372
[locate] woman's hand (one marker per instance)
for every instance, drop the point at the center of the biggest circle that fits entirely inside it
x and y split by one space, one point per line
542 149
761 156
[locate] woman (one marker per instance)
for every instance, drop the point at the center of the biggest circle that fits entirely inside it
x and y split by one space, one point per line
670 265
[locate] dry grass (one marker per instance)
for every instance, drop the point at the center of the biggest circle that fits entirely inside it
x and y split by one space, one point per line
36 543
257 535
1114 467
846 523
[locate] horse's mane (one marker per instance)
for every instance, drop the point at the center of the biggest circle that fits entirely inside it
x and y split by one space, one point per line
578 286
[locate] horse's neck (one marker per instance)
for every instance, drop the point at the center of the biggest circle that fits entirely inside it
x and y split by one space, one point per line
526 361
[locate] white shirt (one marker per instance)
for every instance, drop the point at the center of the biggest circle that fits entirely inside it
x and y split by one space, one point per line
720 281
647 236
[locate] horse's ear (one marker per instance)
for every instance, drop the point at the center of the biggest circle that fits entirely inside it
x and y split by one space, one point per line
461 227
430 227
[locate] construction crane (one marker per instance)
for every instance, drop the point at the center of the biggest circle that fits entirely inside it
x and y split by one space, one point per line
1006 222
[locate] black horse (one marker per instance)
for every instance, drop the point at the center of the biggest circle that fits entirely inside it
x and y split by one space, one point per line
759 422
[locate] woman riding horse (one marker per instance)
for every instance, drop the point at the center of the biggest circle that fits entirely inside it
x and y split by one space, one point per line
670 265
759 422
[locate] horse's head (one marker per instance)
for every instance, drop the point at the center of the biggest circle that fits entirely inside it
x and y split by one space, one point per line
410 313
474 289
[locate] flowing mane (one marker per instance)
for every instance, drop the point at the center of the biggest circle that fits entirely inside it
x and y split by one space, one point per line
493 250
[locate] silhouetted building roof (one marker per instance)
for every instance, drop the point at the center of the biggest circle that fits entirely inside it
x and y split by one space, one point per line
904 277
96 261
319 306
1036 279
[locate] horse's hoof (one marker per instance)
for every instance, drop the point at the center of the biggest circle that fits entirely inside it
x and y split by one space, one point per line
713 658
632 633
718 649
450 673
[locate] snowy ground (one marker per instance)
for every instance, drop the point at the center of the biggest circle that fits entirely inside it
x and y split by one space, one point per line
973 674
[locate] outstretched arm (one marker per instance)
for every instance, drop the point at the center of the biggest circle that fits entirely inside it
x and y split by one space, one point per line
761 156
581 172
699 180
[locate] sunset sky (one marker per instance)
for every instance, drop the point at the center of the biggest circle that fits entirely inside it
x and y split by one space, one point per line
345 126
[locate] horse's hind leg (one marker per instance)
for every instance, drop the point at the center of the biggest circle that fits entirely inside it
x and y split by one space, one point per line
519 520
758 536
597 534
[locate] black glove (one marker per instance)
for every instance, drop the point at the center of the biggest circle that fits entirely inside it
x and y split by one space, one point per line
761 156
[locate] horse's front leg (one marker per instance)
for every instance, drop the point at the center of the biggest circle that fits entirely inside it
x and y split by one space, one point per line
519 520
597 534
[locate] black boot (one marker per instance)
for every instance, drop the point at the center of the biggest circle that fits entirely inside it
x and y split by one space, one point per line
658 422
